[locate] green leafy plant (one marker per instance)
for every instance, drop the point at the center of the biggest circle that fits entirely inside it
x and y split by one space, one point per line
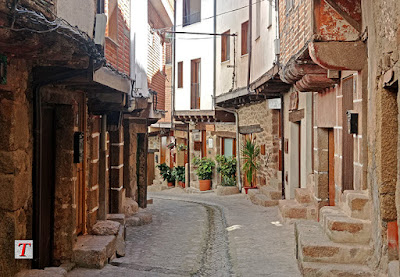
181 147
204 168
250 152
227 167
179 173
166 172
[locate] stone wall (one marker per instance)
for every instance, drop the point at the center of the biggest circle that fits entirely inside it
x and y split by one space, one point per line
382 18
15 164
130 153
269 121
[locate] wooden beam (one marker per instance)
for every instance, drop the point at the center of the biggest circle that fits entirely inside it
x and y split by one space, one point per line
251 129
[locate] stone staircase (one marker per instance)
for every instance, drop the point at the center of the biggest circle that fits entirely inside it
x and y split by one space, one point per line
338 245
265 196
299 208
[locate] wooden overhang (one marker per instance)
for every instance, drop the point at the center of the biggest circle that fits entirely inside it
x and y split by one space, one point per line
333 45
206 116
268 86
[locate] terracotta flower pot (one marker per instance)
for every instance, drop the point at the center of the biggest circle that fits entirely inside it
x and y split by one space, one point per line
170 184
182 184
205 185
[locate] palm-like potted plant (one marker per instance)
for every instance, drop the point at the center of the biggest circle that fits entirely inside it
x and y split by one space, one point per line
226 166
250 152
204 171
179 175
166 173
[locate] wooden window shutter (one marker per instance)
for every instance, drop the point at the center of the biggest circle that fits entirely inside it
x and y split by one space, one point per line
244 42
225 47
180 75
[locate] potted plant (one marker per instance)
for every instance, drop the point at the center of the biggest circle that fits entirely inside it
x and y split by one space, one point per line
250 152
227 167
166 173
179 175
204 171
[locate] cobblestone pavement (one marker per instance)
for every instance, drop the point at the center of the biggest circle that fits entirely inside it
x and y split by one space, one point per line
205 235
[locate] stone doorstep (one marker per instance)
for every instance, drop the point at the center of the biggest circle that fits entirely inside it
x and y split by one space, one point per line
341 228
313 245
329 270
226 190
105 228
94 251
291 210
302 195
356 204
262 200
273 194
47 272
393 269
139 219
117 217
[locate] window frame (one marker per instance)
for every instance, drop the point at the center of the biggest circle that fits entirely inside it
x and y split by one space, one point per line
180 74
244 33
225 46
185 21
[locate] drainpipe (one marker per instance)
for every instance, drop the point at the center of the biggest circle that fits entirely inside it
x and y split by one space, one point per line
215 54
283 147
238 175
249 38
173 69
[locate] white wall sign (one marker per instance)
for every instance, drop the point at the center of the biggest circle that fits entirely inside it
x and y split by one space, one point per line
274 104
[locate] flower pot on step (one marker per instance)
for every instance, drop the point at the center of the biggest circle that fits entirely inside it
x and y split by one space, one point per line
170 184
205 185
182 184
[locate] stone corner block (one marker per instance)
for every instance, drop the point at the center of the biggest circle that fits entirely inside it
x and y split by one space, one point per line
105 228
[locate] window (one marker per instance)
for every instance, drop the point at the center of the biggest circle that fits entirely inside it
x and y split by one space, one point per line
225 46
289 5
112 24
245 38
191 11
100 6
229 147
258 18
180 75
195 84
270 8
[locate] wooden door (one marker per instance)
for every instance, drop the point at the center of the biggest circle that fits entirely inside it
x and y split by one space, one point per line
348 141
195 84
163 149
203 144
331 170
44 193
81 168
299 126
150 168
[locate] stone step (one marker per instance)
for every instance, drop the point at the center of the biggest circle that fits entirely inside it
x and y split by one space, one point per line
291 209
313 245
94 251
261 199
341 228
302 195
273 194
330 270
139 219
356 204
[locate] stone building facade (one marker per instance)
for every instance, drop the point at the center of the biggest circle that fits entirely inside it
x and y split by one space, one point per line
63 150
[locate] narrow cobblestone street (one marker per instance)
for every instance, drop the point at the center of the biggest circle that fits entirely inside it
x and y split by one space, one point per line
205 235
